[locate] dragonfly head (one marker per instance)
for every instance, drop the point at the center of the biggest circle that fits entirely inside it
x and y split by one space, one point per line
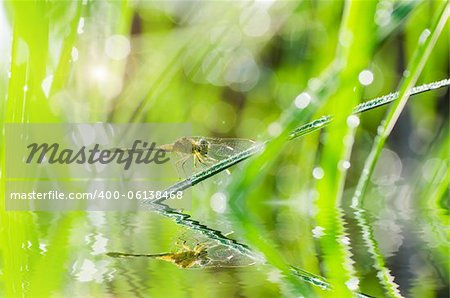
203 146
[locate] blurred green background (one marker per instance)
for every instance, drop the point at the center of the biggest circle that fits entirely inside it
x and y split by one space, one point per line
252 70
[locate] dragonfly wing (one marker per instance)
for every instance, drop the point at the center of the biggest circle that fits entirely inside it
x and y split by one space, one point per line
223 148
223 256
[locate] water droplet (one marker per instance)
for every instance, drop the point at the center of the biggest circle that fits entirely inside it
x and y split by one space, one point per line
314 84
87 272
352 283
25 88
318 173
383 17
80 28
99 245
74 54
219 202
353 121
345 240
302 100
46 84
274 129
318 232
344 165
42 248
365 77
424 36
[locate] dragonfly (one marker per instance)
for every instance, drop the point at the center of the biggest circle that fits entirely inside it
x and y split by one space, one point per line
203 255
185 258
205 151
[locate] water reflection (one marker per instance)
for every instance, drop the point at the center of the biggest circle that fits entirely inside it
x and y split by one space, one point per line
203 255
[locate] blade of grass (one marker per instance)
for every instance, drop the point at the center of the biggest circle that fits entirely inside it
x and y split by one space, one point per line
27 71
357 28
26 102
426 43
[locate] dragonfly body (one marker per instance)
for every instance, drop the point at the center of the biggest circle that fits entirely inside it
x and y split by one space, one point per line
198 148
203 255
206 151
185 258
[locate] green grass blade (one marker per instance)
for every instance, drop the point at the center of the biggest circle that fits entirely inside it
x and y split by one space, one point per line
426 43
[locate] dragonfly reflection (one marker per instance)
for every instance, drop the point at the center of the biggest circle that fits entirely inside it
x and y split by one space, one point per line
201 256
185 258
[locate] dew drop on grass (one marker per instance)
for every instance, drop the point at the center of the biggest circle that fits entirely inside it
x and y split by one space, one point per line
380 130
318 232
74 54
80 28
352 283
42 248
353 121
274 129
46 84
424 36
219 202
302 100
382 17
365 77
318 173
344 165
314 84
345 240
